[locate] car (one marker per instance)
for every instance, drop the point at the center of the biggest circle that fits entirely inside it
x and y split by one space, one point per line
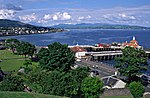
145 78
95 72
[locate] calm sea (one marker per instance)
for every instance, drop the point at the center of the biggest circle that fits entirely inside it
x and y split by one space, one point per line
87 37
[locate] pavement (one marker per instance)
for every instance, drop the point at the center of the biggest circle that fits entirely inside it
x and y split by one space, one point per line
103 69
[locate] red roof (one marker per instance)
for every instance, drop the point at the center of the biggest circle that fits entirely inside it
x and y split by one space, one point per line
78 49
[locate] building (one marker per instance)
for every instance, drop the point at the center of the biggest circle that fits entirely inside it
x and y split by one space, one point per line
133 43
113 82
79 52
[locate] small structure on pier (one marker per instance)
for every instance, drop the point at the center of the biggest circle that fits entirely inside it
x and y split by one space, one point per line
79 52
133 43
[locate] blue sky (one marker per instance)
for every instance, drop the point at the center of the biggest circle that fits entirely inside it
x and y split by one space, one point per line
53 12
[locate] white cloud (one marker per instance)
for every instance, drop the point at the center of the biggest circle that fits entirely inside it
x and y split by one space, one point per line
6 14
55 17
47 16
126 16
61 16
66 16
28 18
80 18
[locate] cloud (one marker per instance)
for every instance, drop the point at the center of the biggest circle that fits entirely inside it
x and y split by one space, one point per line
55 17
28 18
61 16
47 16
122 15
6 14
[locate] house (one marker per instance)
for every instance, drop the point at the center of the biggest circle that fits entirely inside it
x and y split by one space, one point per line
117 92
79 52
113 82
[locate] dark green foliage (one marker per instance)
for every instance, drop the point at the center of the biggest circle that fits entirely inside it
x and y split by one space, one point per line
133 62
136 89
92 87
62 84
36 78
12 83
12 44
25 48
56 57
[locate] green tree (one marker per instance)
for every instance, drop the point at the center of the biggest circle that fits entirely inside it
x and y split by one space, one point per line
136 89
36 79
65 83
132 63
12 83
12 44
57 56
92 87
25 48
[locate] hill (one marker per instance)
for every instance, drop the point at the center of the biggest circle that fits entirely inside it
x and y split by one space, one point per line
13 23
98 26
12 27
6 94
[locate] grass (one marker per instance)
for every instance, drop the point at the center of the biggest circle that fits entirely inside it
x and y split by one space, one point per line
10 61
25 95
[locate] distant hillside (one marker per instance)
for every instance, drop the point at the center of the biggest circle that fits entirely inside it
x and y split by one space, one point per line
98 26
13 23
11 27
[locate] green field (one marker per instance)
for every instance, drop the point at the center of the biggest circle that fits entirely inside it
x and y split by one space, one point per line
25 95
10 61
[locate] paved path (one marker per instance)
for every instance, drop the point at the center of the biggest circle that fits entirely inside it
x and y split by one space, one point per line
103 69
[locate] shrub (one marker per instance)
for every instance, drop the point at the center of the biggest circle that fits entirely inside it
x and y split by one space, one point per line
12 83
91 87
136 89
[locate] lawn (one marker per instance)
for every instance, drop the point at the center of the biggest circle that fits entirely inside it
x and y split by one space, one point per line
25 95
10 61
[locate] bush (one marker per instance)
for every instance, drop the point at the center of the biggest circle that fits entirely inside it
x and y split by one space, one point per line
12 83
91 87
136 89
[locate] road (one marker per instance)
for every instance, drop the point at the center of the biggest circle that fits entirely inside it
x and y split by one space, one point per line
103 69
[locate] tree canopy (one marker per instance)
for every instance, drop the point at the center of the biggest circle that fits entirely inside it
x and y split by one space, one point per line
12 44
57 56
132 63
92 87
25 48
136 89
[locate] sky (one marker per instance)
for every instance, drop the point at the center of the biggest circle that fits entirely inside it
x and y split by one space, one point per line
54 12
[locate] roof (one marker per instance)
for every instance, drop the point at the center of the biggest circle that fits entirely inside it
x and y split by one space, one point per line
109 81
117 92
78 49
113 82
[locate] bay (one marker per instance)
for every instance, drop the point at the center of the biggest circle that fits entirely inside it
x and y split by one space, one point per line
86 37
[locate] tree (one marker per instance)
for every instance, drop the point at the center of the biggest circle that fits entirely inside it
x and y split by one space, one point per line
57 56
12 83
36 79
25 48
92 87
12 44
136 89
65 83
132 63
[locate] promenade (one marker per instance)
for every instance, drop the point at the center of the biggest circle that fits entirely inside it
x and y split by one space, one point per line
103 69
